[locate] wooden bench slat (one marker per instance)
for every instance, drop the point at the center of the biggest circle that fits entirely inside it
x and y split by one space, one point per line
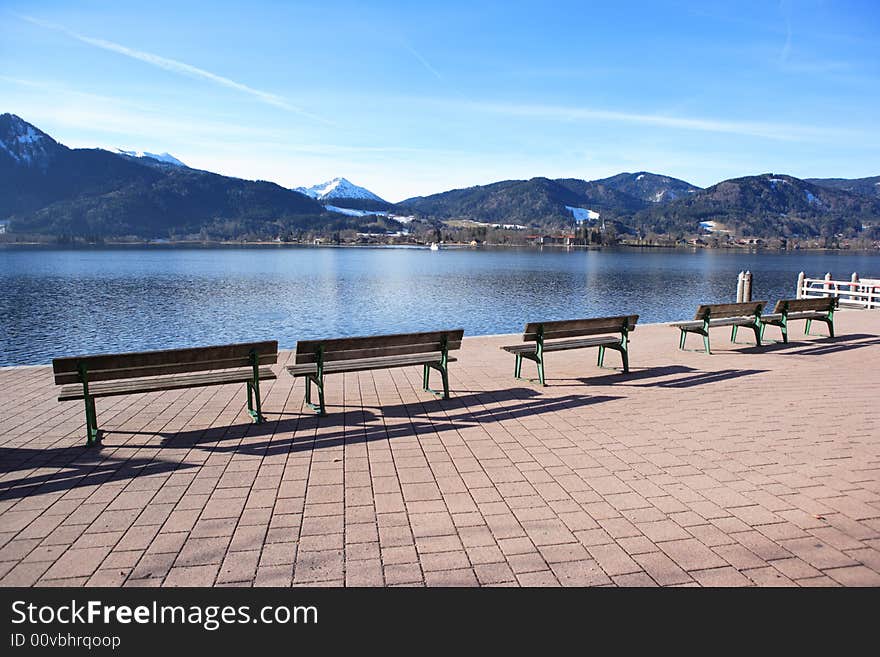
571 333
337 355
429 341
376 352
713 323
814 308
363 364
723 310
268 351
563 345
89 377
715 315
807 314
550 336
155 384
160 370
572 327
799 305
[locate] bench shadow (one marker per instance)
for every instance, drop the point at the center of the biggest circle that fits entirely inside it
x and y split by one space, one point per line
72 467
693 377
76 466
364 425
634 374
815 347
408 424
820 349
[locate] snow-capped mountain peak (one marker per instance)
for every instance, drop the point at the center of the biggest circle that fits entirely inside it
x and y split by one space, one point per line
167 158
338 188
24 143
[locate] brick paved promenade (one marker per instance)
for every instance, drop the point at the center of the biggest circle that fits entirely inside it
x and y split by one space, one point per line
743 468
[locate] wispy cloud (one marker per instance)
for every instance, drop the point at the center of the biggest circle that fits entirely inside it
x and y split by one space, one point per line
430 67
786 48
776 131
180 68
424 62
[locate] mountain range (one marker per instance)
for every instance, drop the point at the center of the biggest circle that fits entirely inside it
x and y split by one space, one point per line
340 193
547 201
864 186
48 189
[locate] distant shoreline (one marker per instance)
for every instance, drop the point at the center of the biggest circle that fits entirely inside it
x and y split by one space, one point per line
457 246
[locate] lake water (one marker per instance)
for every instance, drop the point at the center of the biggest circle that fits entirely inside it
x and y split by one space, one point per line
57 302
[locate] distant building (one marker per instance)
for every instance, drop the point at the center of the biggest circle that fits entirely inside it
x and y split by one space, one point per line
542 240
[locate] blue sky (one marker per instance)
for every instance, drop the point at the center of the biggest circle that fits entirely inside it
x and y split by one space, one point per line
410 98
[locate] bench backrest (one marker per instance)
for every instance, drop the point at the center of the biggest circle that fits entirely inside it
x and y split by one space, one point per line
108 367
569 328
825 304
376 346
725 310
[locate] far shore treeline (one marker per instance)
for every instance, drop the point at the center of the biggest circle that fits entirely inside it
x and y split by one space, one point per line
53 194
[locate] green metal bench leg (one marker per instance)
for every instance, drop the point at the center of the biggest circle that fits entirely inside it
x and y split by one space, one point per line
93 434
706 343
517 368
783 326
809 323
259 400
624 355
425 377
541 372
682 339
319 407
601 355
830 323
253 394
733 333
444 375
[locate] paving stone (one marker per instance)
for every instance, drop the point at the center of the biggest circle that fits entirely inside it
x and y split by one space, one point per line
595 480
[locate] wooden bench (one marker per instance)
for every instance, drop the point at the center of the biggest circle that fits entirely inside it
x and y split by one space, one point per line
708 316
315 358
550 336
106 375
821 309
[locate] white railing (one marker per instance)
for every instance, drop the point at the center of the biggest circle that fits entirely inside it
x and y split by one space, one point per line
860 293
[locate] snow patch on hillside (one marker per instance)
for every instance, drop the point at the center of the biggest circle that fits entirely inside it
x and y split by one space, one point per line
349 212
582 215
24 143
167 158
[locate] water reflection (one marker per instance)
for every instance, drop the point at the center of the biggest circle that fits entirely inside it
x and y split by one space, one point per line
62 302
